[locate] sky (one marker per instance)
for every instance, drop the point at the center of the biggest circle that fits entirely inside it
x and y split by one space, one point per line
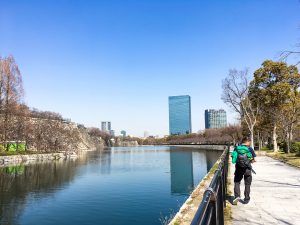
118 61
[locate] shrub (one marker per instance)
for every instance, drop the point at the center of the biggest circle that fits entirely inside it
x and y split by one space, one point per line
21 147
296 147
12 147
2 148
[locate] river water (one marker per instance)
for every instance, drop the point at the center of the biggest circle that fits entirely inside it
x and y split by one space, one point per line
125 185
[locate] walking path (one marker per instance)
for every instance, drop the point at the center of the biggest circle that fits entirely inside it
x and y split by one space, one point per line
275 195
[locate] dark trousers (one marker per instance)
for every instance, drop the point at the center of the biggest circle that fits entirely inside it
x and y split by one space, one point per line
238 176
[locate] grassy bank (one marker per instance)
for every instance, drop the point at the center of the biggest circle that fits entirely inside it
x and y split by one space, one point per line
227 210
291 158
8 153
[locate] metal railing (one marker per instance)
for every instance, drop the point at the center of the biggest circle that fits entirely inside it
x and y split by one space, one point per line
211 209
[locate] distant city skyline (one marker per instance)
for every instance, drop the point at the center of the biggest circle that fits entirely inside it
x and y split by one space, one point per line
92 60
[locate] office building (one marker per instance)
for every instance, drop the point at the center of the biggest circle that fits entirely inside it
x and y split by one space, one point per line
123 133
106 126
215 118
112 133
180 115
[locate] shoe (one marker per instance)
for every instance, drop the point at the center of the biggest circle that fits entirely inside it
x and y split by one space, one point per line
246 201
236 200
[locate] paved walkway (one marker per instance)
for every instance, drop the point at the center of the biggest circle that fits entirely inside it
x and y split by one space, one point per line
275 195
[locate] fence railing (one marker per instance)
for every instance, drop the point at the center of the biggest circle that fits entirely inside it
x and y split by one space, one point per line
211 209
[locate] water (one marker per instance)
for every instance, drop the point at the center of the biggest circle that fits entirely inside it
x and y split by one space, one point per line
135 186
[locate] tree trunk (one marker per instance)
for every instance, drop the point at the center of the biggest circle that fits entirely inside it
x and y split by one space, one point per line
252 137
259 140
288 144
275 147
289 139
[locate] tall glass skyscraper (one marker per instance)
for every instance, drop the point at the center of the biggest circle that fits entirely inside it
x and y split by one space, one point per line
180 115
215 118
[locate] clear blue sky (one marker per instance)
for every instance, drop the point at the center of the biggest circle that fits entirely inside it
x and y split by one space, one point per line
119 60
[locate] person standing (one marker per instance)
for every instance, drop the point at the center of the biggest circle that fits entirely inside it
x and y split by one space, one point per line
242 157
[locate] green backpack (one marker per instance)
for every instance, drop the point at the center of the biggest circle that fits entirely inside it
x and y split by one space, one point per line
241 150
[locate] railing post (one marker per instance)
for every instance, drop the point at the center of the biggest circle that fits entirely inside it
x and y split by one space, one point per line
221 200
213 205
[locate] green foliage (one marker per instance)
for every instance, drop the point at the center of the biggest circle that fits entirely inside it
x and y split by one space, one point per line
273 84
12 148
296 148
275 88
19 169
2 148
22 147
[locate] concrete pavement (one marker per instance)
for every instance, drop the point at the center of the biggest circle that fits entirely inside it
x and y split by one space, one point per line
275 195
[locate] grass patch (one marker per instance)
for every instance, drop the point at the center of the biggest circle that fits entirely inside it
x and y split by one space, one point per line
6 153
228 210
291 158
227 214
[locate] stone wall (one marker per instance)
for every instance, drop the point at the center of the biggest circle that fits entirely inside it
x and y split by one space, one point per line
120 143
205 147
17 159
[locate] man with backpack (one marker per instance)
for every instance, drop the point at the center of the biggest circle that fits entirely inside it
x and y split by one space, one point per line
242 157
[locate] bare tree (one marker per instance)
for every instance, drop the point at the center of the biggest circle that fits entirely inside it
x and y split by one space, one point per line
236 95
286 54
11 93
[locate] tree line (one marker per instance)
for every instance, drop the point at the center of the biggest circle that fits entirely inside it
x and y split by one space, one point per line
268 103
43 131
231 134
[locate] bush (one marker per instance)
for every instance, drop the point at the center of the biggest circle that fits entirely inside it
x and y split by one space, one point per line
22 147
296 147
2 148
12 147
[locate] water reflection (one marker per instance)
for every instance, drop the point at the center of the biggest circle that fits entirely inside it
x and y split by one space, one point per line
137 179
19 181
188 167
181 164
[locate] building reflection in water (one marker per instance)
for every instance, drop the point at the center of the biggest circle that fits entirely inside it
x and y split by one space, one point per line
181 165
189 167
105 162
211 158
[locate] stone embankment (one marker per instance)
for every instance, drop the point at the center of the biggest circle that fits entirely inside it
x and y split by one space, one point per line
120 143
17 159
205 147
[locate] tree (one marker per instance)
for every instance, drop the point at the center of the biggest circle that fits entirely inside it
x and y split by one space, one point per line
233 131
236 95
289 116
273 86
11 93
286 54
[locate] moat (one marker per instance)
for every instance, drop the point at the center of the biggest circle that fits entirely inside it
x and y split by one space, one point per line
125 185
